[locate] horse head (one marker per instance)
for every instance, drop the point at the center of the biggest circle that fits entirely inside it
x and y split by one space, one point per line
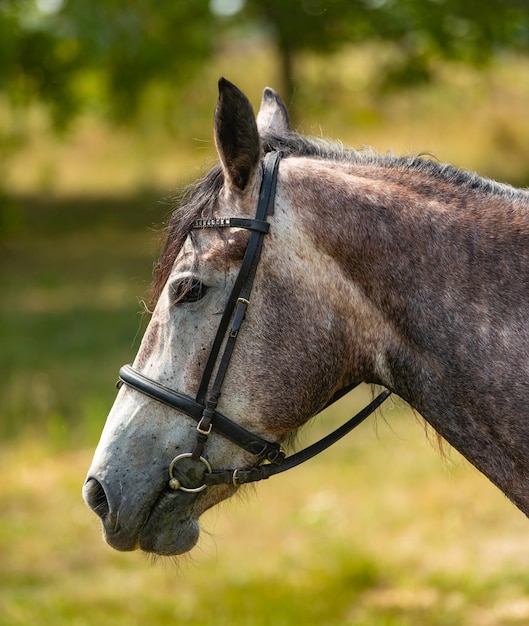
293 352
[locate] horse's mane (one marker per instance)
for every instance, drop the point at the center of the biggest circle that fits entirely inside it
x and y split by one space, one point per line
200 198
294 144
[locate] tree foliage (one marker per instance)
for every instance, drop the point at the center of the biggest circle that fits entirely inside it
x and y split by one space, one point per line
422 31
57 52
67 52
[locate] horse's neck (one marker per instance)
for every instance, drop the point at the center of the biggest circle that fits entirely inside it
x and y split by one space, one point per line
450 277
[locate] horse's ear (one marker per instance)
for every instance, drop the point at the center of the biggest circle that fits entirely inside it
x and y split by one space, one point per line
272 117
236 135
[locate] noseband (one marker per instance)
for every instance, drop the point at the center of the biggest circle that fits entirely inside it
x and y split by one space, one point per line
203 408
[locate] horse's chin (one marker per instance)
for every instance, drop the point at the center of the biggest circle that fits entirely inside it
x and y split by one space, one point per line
167 532
169 539
172 527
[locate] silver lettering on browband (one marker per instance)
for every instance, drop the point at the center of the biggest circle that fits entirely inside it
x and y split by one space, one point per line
213 222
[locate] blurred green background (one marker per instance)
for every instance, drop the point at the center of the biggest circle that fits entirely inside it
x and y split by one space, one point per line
105 111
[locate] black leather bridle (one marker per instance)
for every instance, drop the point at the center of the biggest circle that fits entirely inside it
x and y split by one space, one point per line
203 408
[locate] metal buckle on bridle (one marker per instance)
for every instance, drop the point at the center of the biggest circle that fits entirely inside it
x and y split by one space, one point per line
204 431
240 313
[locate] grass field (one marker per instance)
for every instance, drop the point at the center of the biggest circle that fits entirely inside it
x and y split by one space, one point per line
380 531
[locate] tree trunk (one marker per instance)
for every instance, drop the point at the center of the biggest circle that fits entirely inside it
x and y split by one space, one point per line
287 76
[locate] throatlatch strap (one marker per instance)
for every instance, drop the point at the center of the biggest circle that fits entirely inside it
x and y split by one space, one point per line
262 472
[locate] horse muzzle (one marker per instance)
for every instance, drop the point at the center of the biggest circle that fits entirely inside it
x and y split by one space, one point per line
167 525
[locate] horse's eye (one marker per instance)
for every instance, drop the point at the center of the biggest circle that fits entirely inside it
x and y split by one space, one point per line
187 291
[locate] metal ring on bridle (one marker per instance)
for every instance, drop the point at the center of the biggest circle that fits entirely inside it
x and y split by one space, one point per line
175 484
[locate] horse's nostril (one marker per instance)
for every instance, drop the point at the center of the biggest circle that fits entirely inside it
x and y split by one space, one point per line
95 497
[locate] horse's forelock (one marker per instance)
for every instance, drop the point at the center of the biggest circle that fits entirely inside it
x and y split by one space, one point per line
197 200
